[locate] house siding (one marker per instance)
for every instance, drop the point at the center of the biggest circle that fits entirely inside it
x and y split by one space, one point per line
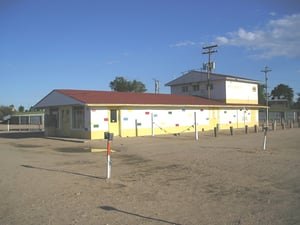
147 122
242 93
64 128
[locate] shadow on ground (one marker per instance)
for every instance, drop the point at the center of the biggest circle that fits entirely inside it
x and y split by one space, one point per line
110 208
62 171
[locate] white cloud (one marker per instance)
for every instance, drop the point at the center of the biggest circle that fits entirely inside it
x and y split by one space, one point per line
279 37
222 40
183 44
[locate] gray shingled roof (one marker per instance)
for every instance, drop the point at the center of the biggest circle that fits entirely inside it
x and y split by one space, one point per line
194 76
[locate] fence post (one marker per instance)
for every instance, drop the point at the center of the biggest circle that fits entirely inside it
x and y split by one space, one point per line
274 125
215 131
152 125
109 137
196 126
136 128
265 138
291 124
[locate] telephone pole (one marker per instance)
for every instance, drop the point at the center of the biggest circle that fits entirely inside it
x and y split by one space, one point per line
156 85
266 70
209 66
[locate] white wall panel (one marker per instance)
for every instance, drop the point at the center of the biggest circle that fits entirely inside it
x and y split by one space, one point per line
241 91
99 119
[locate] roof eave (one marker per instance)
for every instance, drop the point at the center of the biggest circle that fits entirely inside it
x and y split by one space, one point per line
177 105
151 105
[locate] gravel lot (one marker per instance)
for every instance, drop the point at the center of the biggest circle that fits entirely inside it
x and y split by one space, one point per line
155 180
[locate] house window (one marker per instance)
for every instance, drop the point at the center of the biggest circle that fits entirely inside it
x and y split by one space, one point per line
78 117
196 87
185 89
210 86
35 119
113 116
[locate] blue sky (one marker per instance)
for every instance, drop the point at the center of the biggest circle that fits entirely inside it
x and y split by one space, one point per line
85 44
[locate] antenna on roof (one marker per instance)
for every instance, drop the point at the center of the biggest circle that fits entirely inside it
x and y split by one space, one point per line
210 65
156 85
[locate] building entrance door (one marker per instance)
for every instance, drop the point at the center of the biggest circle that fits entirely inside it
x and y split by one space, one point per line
114 122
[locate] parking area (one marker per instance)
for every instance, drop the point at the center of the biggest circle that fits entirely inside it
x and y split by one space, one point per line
155 180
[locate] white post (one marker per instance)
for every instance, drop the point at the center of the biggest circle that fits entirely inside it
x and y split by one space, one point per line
244 116
7 125
152 125
108 167
265 138
29 123
108 160
196 126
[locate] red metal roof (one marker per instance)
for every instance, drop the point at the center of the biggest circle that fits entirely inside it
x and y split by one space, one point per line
111 97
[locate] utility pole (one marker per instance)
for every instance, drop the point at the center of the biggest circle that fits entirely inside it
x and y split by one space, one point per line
156 83
209 66
266 70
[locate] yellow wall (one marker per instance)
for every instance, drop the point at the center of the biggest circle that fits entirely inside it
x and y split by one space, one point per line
238 101
157 131
97 135
179 121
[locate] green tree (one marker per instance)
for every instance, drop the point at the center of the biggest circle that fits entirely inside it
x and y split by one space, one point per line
123 85
21 108
6 110
137 86
119 84
283 91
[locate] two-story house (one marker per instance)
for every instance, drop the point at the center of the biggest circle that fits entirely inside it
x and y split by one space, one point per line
225 88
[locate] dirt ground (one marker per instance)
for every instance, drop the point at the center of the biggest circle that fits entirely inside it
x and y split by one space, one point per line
155 180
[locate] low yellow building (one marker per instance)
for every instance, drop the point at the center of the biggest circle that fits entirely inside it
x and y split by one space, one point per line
88 114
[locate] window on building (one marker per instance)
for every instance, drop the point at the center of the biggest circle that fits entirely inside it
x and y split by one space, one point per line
185 89
78 117
24 120
113 116
210 86
196 87
35 119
